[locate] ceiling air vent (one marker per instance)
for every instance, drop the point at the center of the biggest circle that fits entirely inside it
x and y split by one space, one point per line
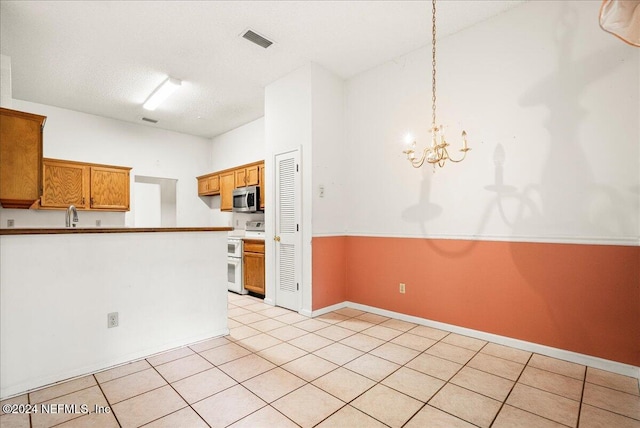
146 119
257 39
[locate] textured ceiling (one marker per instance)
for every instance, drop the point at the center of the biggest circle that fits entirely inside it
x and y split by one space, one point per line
105 58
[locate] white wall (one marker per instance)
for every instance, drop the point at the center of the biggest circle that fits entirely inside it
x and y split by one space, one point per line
551 105
168 288
149 151
240 146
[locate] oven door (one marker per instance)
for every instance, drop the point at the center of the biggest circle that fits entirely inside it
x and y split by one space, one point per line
235 280
234 247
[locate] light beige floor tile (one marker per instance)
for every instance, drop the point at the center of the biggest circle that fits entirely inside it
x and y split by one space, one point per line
271 385
89 397
612 380
97 420
434 366
184 418
506 352
552 382
244 301
344 384
395 324
334 332
451 352
362 342
434 418
429 332
592 417
511 417
331 318
246 367
467 405
338 353
311 325
464 341
372 318
249 318
225 353
497 366
267 325
172 355
187 366
287 333
15 420
20 399
291 318
545 404
61 389
275 312
242 332
483 383
228 406
282 353
233 324
382 333
209 344
554 365
134 384
413 383
373 367
123 370
202 385
310 342
375 402
349 312
237 311
414 341
265 418
258 306
258 342
148 407
308 405
309 367
349 417
612 400
395 353
355 324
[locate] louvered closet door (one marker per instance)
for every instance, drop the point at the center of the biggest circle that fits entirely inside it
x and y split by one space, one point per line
288 207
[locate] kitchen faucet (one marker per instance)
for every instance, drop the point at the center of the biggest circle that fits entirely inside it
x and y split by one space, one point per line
71 209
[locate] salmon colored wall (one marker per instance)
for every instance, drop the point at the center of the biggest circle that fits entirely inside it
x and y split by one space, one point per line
581 298
328 271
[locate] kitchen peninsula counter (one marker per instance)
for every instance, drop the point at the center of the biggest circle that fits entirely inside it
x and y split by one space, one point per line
81 230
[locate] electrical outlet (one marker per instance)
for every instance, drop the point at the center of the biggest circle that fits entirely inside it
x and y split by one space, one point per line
321 191
112 320
11 222
402 288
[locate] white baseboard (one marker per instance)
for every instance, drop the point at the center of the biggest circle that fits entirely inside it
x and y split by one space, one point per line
574 357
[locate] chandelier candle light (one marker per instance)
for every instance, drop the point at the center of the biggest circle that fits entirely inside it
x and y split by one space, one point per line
436 153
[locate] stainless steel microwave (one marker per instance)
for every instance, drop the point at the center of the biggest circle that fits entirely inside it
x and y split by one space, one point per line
246 199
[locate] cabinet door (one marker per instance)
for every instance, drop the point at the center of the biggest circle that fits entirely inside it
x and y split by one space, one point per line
214 184
262 186
227 184
20 158
240 177
208 186
109 188
203 186
64 184
254 272
252 176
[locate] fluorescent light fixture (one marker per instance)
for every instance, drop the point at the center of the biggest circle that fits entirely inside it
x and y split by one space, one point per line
161 93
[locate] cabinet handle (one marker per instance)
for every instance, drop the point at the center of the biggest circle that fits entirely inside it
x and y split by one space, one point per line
91 201
83 200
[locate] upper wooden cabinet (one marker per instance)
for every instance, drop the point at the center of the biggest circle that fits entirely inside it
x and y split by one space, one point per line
247 176
20 158
209 185
262 186
226 191
87 186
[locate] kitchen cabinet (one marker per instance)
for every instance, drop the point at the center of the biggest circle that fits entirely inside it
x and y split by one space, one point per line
253 265
247 176
209 185
20 158
87 186
262 186
227 184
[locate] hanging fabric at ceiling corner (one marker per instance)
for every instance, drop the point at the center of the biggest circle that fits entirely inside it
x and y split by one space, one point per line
622 19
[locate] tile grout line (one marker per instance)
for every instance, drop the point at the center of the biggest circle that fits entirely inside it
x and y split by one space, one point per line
504 402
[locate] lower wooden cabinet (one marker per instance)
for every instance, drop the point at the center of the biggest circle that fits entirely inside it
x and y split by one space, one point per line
87 186
253 265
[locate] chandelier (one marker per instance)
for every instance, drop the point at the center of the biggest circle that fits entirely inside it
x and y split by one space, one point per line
437 152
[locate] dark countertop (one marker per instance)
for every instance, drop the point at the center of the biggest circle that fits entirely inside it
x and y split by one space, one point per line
83 230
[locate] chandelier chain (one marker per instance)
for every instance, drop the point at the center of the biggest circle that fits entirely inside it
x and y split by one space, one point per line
433 65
